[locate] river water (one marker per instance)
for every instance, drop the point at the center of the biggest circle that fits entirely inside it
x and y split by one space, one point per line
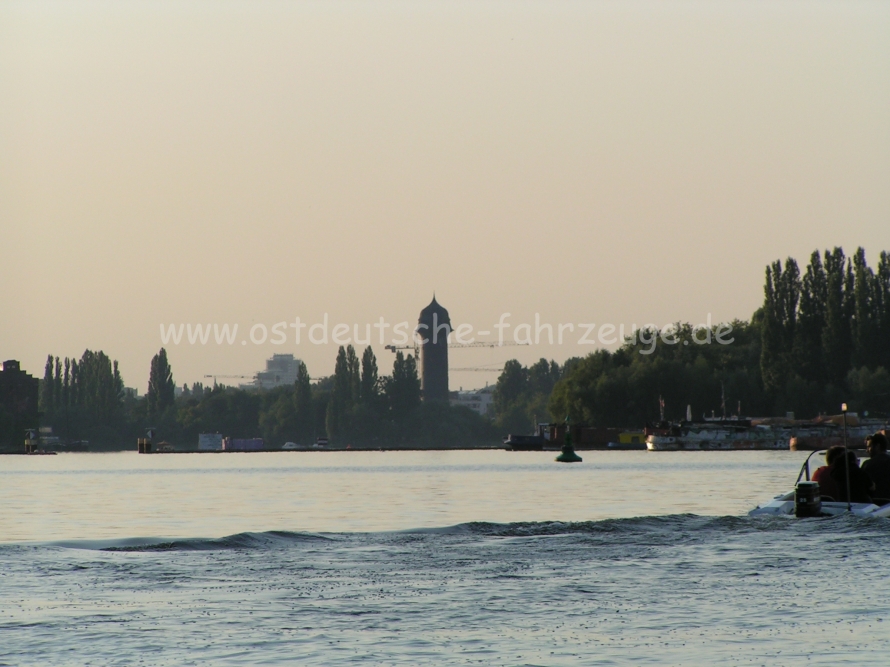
445 557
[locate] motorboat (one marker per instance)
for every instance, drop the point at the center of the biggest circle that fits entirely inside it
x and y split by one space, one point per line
805 501
785 505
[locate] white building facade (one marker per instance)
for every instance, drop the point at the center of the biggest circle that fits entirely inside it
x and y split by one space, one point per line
478 400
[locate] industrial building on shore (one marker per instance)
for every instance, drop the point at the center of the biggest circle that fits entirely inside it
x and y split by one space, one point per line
18 403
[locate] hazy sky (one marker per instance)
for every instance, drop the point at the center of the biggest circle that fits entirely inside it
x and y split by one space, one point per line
229 162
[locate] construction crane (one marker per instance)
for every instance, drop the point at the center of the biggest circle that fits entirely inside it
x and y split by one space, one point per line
265 383
476 369
235 377
393 348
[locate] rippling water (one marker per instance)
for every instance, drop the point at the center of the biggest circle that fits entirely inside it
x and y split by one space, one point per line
430 558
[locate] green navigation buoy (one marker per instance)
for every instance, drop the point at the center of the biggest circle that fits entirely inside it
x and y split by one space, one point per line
568 455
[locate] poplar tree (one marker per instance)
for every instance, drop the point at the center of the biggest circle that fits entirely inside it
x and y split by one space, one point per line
303 405
403 388
340 396
98 388
368 394
74 390
66 383
412 382
882 301
118 382
46 388
810 321
89 389
836 334
161 393
865 320
354 371
57 385
781 296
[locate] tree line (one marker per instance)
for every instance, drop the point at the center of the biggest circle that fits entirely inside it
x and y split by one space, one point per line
522 393
820 339
82 395
86 399
826 332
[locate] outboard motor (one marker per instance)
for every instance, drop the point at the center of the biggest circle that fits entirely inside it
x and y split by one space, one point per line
807 499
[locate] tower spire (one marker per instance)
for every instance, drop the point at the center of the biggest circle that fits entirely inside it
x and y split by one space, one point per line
434 325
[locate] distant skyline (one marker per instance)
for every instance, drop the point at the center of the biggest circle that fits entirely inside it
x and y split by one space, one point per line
598 162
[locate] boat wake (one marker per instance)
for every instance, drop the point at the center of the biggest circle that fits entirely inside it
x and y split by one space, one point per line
674 589
648 531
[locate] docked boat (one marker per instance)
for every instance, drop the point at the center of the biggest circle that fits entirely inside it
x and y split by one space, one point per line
628 440
515 443
719 435
828 430
626 446
805 501
72 446
761 433
818 436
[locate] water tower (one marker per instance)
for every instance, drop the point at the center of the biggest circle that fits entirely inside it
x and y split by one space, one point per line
433 327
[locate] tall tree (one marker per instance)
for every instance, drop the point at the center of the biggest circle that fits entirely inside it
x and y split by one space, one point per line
303 406
341 396
73 391
781 295
99 389
66 384
369 387
161 389
403 387
811 321
354 369
47 386
882 299
789 297
512 384
510 397
866 314
836 334
57 385
118 382
542 375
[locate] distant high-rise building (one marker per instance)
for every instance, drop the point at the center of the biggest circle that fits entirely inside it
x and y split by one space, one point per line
281 369
433 327
480 401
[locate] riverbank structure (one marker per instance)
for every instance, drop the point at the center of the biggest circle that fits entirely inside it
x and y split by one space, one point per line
433 327
18 403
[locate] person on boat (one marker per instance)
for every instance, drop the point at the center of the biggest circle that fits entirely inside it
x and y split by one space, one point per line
878 465
827 485
860 483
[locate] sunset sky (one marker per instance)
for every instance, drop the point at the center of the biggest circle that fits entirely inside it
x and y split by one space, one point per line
592 162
